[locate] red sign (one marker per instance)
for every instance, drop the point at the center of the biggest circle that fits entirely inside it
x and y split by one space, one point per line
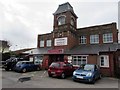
56 51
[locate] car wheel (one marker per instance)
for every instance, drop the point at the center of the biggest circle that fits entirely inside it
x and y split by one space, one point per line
100 76
93 81
6 69
38 68
63 75
24 70
50 75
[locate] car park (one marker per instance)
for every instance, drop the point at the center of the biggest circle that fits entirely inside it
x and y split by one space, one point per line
89 73
9 64
25 66
60 69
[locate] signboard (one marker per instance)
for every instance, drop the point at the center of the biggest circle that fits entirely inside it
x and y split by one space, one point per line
60 41
56 51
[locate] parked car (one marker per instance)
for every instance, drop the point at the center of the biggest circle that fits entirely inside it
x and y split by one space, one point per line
9 64
60 69
25 66
89 73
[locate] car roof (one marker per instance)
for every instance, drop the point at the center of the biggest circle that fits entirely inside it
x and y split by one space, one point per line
25 61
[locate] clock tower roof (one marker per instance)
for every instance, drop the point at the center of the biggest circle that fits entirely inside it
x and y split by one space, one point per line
64 8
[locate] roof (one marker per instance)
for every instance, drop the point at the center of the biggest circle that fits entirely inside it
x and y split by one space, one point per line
93 49
38 51
65 7
22 50
80 49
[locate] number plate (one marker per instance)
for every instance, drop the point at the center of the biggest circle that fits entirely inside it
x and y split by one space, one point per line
80 77
52 72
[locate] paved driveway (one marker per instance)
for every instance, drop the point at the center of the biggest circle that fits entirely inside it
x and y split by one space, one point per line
40 79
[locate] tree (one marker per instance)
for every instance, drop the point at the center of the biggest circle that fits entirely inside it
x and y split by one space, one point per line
4 45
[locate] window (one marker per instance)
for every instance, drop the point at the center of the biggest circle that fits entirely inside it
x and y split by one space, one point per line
82 39
94 39
107 38
78 60
38 59
61 20
72 22
41 43
104 61
49 43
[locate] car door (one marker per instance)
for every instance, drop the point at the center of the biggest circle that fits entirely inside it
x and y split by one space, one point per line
31 66
69 69
96 71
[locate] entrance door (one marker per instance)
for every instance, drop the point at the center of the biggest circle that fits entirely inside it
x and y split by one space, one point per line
55 58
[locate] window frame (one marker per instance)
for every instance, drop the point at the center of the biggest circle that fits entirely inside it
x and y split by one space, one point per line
79 61
49 43
108 38
42 42
61 20
83 40
105 62
94 39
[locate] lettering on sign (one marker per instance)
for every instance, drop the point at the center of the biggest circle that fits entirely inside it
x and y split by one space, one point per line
60 41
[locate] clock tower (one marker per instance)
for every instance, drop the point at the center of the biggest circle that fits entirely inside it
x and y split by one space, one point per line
64 28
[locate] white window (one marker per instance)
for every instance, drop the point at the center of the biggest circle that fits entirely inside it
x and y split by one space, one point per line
61 20
78 60
82 39
38 59
49 43
41 43
94 39
104 61
107 38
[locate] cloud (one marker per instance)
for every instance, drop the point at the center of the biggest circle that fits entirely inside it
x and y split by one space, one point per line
22 20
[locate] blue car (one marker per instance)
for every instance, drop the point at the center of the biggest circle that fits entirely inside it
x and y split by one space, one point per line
24 66
88 73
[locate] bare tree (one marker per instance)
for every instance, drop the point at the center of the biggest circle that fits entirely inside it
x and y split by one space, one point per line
5 45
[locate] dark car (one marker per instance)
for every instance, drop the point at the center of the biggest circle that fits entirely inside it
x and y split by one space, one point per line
60 69
89 73
25 66
9 64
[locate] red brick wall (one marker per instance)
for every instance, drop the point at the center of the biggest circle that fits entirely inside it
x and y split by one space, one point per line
92 59
108 71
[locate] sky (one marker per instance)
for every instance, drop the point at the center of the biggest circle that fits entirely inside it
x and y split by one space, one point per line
22 20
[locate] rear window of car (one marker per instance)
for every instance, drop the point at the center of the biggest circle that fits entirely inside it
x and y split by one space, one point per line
55 65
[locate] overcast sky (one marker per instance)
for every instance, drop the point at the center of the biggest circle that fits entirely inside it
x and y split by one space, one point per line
22 20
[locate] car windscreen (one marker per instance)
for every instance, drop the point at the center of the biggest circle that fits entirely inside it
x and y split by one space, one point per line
55 65
89 67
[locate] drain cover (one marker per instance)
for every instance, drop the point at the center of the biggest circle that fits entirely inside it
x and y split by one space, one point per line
22 79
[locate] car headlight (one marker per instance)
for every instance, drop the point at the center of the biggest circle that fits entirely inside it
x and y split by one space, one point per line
74 73
89 74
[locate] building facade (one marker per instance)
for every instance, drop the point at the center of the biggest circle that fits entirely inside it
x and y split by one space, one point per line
66 42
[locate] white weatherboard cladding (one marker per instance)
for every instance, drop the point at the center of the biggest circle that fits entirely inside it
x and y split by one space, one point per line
60 41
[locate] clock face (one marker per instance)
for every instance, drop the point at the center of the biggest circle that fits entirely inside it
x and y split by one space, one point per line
61 20
72 22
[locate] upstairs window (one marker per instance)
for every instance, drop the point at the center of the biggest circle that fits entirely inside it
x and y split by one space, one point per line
82 39
41 43
94 39
61 20
107 38
49 43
